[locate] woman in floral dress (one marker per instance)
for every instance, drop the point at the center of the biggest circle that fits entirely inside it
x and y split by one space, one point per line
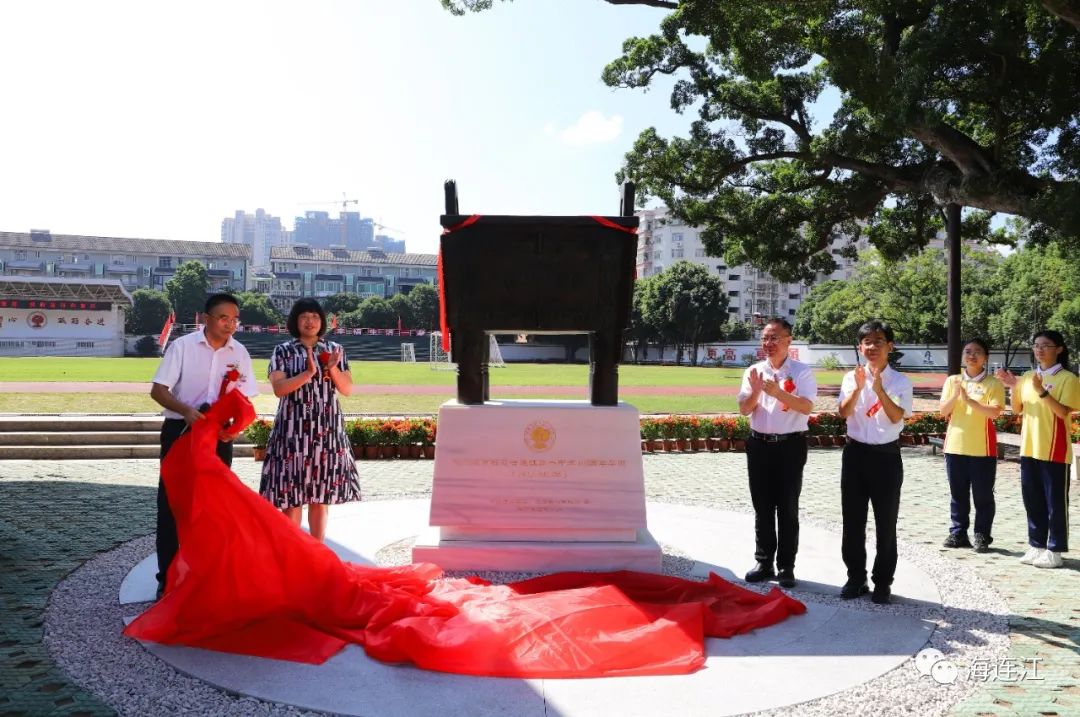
308 457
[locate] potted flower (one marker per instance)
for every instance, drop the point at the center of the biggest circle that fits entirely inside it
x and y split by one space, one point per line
258 432
651 435
414 435
722 426
813 430
838 428
667 430
684 432
388 439
355 433
907 433
371 435
427 442
701 430
740 433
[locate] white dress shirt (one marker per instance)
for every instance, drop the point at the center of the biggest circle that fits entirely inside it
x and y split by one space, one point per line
193 370
869 423
769 415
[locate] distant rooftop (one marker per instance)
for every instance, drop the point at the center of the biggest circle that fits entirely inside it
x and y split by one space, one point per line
343 256
39 239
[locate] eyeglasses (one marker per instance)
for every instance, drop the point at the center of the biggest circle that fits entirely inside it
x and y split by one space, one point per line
976 352
1043 347
772 339
226 319
873 343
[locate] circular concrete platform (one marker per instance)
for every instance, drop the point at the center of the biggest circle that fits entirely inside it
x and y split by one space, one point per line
835 646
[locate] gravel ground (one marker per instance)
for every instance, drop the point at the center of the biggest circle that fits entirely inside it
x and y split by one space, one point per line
82 634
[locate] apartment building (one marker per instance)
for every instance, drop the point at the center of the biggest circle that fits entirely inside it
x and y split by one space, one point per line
136 263
753 295
300 271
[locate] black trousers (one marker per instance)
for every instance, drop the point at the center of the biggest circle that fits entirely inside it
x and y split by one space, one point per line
972 478
167 542
1045 488
776 471
870 474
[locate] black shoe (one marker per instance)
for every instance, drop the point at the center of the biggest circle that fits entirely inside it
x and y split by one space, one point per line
853 589
760 573
982 543
786 577
882 595
957 541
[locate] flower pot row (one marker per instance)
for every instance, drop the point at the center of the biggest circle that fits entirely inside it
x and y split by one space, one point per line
692 445
413 451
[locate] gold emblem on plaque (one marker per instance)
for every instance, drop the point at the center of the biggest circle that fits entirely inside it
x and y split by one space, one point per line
539 436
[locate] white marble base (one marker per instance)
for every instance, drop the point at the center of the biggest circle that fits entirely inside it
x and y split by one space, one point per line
643 554
833 647
536 486
538 465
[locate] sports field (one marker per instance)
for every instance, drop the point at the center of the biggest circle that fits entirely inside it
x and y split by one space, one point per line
384 387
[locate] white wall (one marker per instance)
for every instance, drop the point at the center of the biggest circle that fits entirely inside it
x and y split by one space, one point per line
916 356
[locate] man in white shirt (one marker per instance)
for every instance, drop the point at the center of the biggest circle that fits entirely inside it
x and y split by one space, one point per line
874 399
196 369
778 395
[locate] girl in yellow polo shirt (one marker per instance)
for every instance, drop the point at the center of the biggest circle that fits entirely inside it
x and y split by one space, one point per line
971 400
1046 396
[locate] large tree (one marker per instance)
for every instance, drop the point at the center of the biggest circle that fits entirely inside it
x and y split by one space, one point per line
187 290
256 308
973 103
1033 289
424 299
686 305
148 312
908 293
340 303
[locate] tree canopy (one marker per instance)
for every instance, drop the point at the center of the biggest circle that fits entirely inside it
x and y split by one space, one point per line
685 306
1004 299
256 308
148 312
187 290
969 103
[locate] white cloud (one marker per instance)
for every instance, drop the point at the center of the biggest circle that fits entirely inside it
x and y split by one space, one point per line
592 128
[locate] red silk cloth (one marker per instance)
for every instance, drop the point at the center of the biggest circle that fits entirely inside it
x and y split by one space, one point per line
247 581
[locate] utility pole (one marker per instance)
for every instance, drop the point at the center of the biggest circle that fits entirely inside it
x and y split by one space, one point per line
952 225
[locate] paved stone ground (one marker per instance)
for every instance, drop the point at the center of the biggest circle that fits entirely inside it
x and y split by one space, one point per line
56 515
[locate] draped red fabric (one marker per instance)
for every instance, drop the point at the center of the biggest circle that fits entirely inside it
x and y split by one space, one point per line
247 581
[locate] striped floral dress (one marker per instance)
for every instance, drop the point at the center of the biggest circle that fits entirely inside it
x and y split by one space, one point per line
308 456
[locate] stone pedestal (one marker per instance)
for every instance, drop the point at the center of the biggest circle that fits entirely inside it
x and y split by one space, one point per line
538 486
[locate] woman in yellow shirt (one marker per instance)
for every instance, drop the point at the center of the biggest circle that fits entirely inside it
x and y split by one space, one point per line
971 400
1046 396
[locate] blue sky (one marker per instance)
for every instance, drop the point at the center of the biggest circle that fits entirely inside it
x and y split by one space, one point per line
134 118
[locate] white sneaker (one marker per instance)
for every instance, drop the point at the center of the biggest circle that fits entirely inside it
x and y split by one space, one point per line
1032 555
1049 559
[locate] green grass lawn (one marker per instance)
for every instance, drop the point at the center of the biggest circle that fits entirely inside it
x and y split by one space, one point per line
389 373
126 403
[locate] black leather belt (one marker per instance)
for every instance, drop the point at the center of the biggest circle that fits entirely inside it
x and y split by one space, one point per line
776 437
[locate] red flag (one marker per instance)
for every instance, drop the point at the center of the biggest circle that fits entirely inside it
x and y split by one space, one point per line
333 322
399 325
166 330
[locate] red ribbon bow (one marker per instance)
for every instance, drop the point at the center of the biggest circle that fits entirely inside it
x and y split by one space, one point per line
231 375
789 387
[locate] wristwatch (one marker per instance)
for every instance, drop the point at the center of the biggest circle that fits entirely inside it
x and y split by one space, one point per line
1045 393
